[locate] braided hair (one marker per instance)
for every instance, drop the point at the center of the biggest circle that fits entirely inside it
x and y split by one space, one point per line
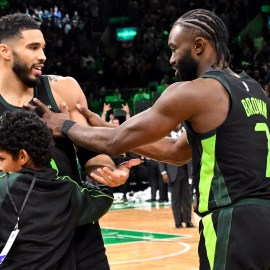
208 25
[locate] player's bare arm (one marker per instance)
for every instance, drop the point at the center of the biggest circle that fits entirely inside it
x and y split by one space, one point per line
194 101
101 167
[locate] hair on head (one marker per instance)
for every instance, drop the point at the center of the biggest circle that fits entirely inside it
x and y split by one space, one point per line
22 129
12 25
208 25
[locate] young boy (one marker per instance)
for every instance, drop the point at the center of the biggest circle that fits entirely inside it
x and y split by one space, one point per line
37 208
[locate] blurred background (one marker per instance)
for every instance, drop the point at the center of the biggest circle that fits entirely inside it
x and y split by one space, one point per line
117 50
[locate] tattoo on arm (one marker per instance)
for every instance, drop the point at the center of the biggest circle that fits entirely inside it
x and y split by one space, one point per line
53 78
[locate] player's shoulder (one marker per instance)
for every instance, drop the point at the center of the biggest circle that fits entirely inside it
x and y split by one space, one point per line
198 90
201 85
59 79
61 83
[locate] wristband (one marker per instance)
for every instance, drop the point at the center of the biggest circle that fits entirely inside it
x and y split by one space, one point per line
67 126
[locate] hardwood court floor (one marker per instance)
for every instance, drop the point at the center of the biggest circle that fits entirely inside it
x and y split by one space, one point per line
145 238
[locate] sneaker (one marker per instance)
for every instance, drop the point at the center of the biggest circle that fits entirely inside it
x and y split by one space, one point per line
189 225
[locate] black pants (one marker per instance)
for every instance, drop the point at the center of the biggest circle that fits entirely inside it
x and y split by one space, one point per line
155 181
181 195
90 250
236 238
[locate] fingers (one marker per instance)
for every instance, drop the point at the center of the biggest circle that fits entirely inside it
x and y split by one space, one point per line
41 105
63 107
84 111
98 179
29 106
39 111
109 177
130 163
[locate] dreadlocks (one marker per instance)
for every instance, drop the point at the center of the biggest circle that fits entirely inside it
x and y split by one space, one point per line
208 25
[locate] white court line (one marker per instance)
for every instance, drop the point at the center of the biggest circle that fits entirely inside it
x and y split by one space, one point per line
143 231
187 248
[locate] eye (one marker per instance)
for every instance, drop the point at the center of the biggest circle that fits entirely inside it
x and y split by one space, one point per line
173 50
33 47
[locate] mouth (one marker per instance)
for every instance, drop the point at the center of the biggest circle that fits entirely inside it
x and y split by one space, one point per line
38 69
176 72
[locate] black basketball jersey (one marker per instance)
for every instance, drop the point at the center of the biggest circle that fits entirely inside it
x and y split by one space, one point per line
64 160
233 161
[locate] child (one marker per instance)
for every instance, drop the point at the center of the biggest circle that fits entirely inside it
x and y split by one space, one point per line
38 210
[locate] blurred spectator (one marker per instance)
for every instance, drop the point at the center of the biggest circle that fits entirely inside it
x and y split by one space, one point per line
144 60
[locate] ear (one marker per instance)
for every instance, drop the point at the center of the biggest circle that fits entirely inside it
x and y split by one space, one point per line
199 45
23 157
5 51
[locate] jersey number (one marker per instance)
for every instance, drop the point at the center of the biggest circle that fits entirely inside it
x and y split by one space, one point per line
264 127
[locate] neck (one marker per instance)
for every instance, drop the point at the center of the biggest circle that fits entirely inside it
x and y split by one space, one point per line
13 90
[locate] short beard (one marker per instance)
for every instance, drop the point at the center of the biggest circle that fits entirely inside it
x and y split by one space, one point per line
22 72
187 67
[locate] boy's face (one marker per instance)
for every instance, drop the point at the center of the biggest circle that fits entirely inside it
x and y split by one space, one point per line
8 163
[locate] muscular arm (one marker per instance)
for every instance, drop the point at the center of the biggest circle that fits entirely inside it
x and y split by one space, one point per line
169 150
68 90
203 102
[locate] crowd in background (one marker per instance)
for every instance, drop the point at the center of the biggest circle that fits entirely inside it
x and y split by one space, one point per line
81 41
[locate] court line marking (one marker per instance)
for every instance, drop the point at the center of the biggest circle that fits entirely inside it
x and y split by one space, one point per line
187 248
149 232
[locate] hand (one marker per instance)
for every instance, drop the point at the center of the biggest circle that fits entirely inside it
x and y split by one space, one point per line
106 107
116 177
92 118
125 108
165 178
53 120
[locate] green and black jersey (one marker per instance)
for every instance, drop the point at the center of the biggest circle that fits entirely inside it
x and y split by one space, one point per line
232 162
55 207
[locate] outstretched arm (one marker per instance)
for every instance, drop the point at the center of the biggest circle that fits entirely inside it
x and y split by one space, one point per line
202 102
141 129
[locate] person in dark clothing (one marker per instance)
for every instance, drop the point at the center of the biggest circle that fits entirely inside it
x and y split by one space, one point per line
227 121
41 206
177 178
155 182
22 58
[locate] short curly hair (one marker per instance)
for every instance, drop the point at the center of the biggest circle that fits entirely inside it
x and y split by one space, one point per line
22 129
12 25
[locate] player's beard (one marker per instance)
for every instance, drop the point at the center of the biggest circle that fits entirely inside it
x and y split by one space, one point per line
22 71
187 67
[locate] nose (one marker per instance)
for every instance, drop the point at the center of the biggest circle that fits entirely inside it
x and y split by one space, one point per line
172 60
42 56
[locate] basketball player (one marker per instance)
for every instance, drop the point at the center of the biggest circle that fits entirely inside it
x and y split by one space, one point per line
21 61
227 119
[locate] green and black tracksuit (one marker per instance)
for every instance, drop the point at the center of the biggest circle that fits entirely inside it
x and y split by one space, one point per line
231 167
55 207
